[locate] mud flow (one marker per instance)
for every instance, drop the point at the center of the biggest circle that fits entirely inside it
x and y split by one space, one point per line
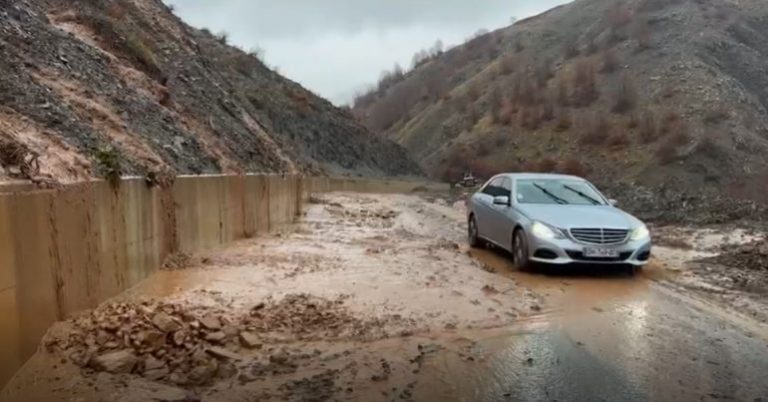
375 297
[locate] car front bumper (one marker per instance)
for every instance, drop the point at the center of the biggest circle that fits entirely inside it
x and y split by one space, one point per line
568 251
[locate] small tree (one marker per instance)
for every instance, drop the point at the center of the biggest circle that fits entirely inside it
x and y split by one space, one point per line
626 95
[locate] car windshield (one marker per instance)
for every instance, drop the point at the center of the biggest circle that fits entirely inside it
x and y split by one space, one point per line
555 191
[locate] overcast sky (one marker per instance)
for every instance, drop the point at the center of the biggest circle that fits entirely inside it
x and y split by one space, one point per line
338 47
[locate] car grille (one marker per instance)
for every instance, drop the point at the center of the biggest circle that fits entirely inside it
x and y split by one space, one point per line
600 235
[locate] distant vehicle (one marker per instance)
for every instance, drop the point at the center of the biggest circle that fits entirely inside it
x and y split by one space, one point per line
469 180
555 219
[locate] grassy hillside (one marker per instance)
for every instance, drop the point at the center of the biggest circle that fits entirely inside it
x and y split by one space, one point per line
661 92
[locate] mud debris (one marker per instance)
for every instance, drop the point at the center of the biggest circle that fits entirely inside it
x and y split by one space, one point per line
752 256
187 345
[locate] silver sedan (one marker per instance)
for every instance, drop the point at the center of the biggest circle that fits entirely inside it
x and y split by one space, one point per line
555 219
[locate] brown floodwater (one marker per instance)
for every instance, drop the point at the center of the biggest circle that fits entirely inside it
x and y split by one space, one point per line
471 328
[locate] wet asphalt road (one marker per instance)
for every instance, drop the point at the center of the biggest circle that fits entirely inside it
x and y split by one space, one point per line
608 337
592 334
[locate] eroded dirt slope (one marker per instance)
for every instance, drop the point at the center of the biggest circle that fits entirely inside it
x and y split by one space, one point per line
87 84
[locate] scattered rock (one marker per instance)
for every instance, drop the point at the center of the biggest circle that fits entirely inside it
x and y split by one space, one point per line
216 337
165 323
250 340
120 362
211 322
223 353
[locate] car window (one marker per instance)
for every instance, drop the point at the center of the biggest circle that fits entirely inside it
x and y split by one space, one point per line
554 191
506 186
492 187
498 186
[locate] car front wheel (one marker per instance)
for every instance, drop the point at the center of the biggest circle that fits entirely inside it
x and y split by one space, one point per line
520 250
473 236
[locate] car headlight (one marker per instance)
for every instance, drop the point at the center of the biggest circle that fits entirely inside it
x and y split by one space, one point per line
543 231
641 233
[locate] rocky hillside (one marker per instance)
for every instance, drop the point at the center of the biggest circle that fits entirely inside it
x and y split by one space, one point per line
106 87
667 93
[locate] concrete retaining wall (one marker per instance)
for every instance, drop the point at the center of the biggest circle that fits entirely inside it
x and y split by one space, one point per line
66 250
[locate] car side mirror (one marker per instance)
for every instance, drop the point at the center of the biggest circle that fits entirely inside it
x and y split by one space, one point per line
501 200
613 202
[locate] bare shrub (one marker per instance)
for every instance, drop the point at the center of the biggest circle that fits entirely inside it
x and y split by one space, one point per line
666 153
610 61
574 167
668 150
716 116
506 115
222 37
507 64
529 118
633 121
596 131
547 165
670 122
592 46
626 96
547 112
483 148
617 18
543 74
523 90
486 169
642 34
647 129
496 104
571 48
563 95
564 121
585 83
618 140
13 153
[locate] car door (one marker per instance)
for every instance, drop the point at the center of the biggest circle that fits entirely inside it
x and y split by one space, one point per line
499 224
484 208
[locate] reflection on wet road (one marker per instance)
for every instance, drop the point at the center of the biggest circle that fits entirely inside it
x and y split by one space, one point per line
604 337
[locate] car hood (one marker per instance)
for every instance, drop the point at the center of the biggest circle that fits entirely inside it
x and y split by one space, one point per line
579 216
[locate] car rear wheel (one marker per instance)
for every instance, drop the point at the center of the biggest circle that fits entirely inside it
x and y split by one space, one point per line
473 236
520 250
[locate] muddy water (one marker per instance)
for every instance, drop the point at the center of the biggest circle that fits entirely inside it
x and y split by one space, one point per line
606 336
470 326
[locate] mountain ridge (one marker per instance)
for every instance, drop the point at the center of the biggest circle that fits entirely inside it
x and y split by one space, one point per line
96 87
654 92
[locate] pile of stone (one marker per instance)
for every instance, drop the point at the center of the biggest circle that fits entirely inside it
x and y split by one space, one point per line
186 345
161 341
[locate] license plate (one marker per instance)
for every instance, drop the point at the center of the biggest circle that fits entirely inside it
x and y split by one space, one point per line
599 252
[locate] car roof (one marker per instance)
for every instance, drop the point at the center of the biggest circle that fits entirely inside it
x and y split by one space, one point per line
539 176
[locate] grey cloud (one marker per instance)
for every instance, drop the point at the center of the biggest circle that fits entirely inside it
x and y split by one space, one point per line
295 33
